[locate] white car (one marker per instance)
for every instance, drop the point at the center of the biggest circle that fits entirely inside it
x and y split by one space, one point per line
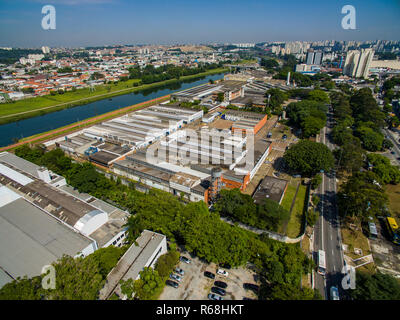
222 272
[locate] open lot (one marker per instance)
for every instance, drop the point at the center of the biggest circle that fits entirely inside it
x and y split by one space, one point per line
386 254
195 286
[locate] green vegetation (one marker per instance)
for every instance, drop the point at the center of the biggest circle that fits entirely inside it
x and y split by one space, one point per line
241 207
277 97
362 196
308 158
167 263
11 56
148 287
383 169
309 115
378 286
150 74
77 279
295 224
31 107
202 232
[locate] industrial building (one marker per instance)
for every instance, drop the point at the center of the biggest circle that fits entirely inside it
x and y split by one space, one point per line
31 239
146 250
196 93
270 188
246 120
49 192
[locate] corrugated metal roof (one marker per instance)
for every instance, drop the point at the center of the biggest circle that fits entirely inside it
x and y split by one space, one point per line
30 239
7 196
14 175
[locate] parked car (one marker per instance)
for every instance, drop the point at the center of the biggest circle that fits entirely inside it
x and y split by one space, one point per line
219 291
180 272
334 293
185 260
392 152
213 296
251 286
277 174
225 266
172 283
222 272
209 274
175 277
220 284
284 137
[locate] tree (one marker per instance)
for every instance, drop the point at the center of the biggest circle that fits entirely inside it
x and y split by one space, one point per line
277 97
316 181
383 169
166 263
311 126
318 95
371 139
350 156
149 285
269 63
378 286
362 196
312 217
308 157
220 97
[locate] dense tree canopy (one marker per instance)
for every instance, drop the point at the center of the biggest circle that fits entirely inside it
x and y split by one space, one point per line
362 196
378 286
308 115
241 207
308 158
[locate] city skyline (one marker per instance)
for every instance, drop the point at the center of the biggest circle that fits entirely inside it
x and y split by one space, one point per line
119 22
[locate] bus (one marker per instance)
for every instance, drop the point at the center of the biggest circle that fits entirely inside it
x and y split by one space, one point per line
393 229
321 262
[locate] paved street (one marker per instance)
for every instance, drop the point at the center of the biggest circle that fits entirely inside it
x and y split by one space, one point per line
327 235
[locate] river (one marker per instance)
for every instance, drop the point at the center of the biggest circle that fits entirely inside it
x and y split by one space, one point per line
25 128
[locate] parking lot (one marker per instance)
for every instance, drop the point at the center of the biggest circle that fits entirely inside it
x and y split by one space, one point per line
195 286
386 254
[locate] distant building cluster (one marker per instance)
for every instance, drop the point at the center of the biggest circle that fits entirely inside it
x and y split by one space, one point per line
65 69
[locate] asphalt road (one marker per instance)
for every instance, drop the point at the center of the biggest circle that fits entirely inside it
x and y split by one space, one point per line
327 235
396 144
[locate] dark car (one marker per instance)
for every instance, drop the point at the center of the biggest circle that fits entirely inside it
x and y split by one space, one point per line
172 283
251 286
220 284
209 274
219 291
185 260
225 266
284 137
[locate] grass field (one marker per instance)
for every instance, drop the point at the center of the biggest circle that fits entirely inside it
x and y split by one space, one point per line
294 227
27 108
393 192
288 197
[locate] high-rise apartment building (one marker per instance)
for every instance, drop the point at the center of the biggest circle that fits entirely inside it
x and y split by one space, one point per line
358 62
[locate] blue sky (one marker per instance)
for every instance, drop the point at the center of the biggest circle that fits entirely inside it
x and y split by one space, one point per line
106 22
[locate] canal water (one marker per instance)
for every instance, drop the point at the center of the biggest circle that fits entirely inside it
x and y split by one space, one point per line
10 132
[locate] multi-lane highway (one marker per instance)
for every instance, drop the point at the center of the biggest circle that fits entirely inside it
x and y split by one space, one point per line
327 235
